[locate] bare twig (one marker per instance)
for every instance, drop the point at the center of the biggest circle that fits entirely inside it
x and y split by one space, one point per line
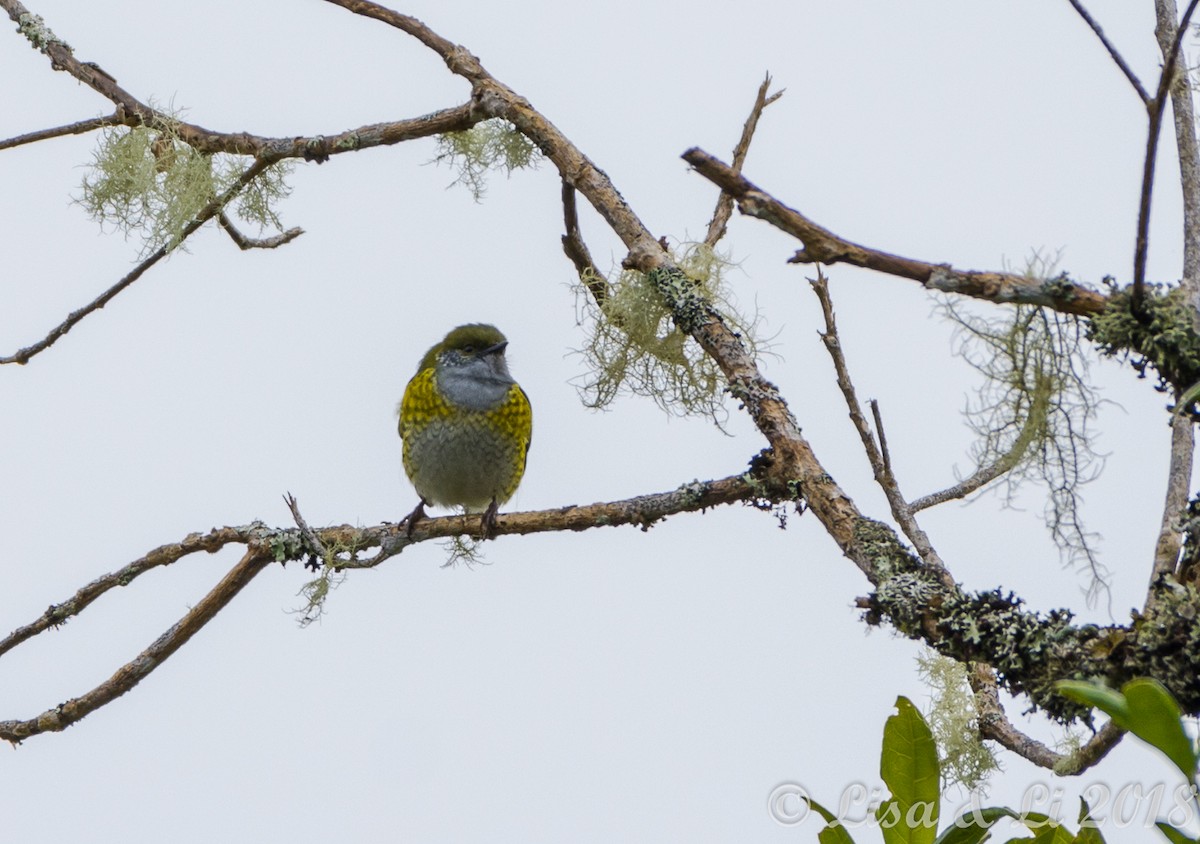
879 433
164 555
824 247
1112 51
984 474
245 243
716 228
137 669
1155 109
880 465
311 538
576 249
209 211
994 725
78 128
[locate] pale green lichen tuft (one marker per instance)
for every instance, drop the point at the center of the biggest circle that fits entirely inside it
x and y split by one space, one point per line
636 344
463 549
489 145
147 183
316 592
966 761
1033 415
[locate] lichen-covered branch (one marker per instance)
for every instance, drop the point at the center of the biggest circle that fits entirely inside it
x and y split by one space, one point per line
134 112
137 669
822 246
338 548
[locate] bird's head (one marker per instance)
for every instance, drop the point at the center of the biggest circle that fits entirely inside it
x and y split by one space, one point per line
474 345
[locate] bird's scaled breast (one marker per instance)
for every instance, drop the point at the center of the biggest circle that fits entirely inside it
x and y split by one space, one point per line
465 459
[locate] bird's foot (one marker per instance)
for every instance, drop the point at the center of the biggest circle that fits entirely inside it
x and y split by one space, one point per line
410 521
487 523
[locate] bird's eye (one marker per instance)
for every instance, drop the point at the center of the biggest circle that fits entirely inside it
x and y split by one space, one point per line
470 350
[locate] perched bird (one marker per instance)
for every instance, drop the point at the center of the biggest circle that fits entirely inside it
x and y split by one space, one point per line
466 425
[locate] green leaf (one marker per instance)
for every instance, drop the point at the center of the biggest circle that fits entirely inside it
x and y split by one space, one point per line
1089 833
909 767
972 827
1145 708
1175 835
1158 720
1111 703
833 832
1044 829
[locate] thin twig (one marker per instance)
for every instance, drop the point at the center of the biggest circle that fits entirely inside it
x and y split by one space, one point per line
244 243
1156 108
78 128
133 112
22 356
311 538
994 725
724 209
576 249
164 555
822 246
984 474
879 465
1112 51
137 669
883 446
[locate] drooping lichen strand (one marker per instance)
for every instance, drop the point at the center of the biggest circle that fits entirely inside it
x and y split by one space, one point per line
639 334
491 144
149 184
1033 415
954 722
1160 337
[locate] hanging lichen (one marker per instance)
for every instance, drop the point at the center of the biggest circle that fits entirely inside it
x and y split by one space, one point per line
636 346
1033 416
149 184
491 144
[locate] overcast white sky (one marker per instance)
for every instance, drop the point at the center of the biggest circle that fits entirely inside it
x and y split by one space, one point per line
594 687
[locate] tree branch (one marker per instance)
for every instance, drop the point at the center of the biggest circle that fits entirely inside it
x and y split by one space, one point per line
1155 109
78 128
994 725
22 356
716 227
900 508
244 243
136 670
576 249
133 112
1112 51
265 545
164 555
824 247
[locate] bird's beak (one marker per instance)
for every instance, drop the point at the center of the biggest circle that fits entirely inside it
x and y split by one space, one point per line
494 350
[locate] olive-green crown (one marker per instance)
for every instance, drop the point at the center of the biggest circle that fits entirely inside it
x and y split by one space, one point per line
470 338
